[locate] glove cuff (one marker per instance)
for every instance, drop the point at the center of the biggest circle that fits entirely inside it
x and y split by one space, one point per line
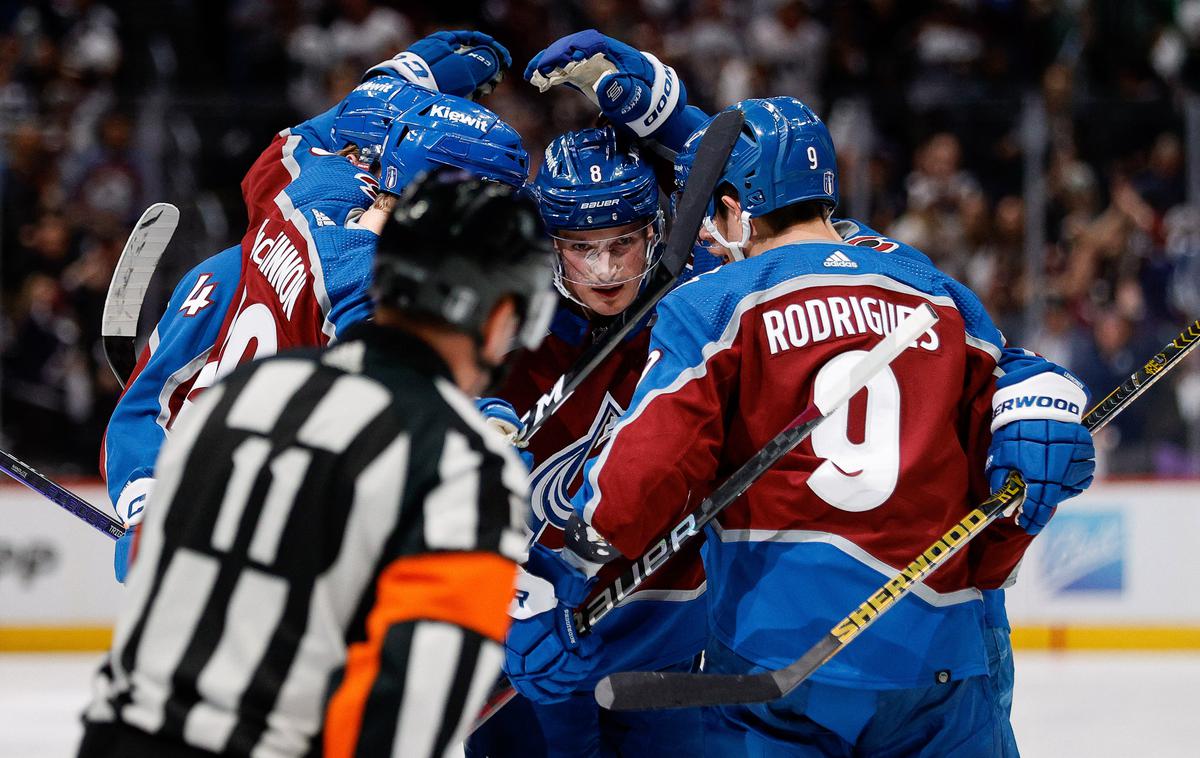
130 505
1048 396
664 98
408 66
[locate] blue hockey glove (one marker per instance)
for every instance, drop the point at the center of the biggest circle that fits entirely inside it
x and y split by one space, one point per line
1036 430
502 416
544 657
634 89
130 508
464 63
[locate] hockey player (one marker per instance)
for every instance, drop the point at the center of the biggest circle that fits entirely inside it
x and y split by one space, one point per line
176 351
738 350
331 548
600 202
645 97
303 276
464 63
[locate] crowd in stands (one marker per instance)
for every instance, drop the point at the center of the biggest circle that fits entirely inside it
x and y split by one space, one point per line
939 109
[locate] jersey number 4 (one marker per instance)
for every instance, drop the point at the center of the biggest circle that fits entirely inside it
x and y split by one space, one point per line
857 475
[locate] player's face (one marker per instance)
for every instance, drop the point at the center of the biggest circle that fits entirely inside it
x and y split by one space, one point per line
603 268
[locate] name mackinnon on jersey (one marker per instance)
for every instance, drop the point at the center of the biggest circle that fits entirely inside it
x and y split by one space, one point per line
282 265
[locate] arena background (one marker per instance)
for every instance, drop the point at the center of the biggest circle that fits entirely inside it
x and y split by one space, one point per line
1045 153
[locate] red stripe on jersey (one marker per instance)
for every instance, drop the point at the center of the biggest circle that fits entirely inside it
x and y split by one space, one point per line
891 485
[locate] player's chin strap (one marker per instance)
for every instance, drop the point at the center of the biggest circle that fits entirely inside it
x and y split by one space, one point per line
734 248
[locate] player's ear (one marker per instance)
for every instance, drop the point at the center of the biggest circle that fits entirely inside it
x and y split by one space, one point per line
732 205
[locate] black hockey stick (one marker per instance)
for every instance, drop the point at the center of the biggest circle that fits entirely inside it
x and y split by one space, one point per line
636 690
882 354
34 480
715 146
127 289
798 430
711 154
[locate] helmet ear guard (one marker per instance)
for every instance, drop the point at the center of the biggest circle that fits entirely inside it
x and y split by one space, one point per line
365 114
784 156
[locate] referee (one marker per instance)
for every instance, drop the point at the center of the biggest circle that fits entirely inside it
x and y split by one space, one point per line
332 547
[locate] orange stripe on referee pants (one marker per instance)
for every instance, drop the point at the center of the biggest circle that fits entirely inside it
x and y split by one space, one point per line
471 590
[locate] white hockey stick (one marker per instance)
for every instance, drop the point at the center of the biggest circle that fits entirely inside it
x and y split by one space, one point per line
883 353
131 278
648 690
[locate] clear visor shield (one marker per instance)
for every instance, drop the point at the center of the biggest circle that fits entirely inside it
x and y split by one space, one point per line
606 261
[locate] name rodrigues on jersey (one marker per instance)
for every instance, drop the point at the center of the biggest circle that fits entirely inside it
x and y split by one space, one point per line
819 319
282 265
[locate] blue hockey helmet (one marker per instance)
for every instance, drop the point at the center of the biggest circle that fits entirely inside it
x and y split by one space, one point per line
364 115
588 182
783 156
444 130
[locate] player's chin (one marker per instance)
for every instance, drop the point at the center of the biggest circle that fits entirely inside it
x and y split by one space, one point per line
609 301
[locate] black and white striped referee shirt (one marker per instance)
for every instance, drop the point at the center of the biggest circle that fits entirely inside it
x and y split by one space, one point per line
325 564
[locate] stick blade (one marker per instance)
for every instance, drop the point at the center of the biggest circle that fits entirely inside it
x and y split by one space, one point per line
712 154
656 690
131 276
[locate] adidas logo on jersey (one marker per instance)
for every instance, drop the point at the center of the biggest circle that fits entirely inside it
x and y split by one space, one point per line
322 219
839 260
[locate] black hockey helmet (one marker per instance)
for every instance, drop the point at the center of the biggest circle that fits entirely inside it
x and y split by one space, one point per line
456 244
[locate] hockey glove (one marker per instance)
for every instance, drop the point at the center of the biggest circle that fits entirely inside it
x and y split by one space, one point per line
130 508
544 657
501 416
634 89
1036 430
464 63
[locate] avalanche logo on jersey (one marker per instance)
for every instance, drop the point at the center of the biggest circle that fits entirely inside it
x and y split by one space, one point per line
550 483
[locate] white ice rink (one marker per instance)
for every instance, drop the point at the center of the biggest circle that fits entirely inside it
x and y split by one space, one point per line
1098 705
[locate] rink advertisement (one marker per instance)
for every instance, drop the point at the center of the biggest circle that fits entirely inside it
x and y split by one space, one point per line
1115 568
57 589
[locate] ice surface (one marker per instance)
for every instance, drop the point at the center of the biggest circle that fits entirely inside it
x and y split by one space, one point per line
1098 705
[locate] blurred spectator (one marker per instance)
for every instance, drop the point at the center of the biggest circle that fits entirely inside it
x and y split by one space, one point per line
104 180
937 190
791 44
105 108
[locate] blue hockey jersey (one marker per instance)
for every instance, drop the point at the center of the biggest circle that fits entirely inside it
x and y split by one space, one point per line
168 366
737 353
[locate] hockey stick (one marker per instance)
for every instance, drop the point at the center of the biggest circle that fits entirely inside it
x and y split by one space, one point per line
131 277
713 151
711 154
34 480
882 354
636 690
798 430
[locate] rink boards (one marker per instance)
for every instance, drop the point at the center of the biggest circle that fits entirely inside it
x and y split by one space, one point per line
1117 568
